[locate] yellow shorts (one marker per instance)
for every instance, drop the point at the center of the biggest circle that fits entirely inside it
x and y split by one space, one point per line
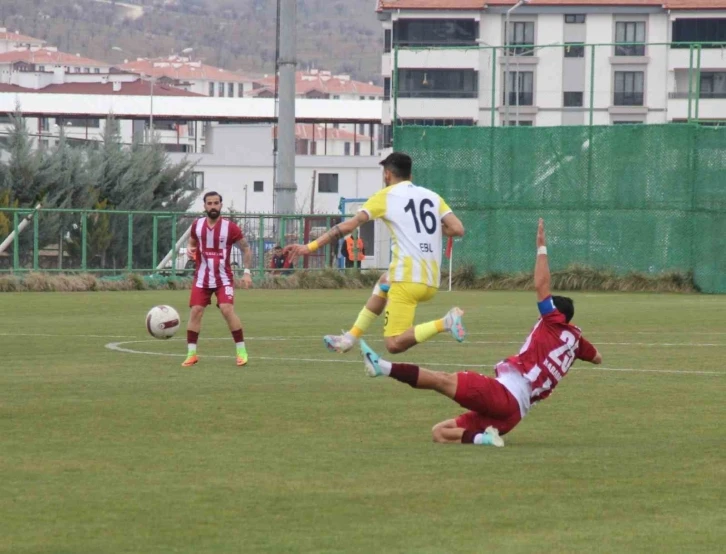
403 298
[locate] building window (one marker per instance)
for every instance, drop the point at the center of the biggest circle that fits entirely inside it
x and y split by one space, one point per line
713 84
575 18
78 122
387 40
386 137
220 89
346 148
521 123
438 122
258 186
438 83
230 90
5 119
386 88
628 32
96 70
361 128
336 97
521 88
328 182
356 149
629 88
211 89
574 50
44 124
371 98
240 90
41 68
572 99
197 180
435 32
521 38
627 122
699 30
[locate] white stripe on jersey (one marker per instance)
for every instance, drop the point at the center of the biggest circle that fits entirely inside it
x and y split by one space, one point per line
203 265
223 236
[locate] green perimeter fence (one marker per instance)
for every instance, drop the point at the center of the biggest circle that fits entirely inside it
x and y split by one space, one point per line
109 242
646 198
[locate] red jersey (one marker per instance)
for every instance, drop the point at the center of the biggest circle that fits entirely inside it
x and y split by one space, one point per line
213 264
549 351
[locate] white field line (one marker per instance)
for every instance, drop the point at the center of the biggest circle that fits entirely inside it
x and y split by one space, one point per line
67 336
120 347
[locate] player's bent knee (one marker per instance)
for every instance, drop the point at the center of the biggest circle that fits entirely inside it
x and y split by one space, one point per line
393 346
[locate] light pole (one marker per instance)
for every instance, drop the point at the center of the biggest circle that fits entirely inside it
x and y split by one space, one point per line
506 59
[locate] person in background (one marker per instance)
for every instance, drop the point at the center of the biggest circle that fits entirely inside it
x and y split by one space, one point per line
352 250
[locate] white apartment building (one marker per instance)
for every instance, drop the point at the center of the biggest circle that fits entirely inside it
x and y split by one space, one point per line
549 84
14 40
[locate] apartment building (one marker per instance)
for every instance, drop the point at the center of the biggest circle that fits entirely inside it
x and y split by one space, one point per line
565 62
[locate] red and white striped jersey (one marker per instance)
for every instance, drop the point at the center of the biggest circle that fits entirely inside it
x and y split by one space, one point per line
213 264
549 351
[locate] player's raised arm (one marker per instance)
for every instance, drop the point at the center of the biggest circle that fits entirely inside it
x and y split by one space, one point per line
247 259
541 267
451 226
337 232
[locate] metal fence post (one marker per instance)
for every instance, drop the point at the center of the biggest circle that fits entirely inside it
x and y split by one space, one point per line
154 239
130 255
327 246
690 80
173 244
698 80
394 86
261 247
592 85
16 241
494 85
84 239
36 241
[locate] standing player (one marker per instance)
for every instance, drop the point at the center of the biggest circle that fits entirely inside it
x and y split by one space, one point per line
210 244
417 218
498 404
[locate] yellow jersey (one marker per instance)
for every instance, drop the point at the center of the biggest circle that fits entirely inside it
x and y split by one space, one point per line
413 214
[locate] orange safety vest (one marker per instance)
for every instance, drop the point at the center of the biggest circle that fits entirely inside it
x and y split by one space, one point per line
351 249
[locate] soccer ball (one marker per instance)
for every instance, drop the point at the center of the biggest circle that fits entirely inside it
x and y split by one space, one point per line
162 322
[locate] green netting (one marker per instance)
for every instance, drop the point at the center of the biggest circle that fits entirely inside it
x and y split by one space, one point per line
647 198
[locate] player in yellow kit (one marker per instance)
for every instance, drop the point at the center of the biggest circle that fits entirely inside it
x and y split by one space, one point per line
417 219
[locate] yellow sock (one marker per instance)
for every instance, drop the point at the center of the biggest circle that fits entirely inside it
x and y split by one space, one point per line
365 318
425 331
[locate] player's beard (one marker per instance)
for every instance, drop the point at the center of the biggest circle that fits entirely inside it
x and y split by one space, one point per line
212 214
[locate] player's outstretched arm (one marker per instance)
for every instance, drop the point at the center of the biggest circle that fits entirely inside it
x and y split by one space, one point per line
452 226
597 360
541 267
337 232
247 259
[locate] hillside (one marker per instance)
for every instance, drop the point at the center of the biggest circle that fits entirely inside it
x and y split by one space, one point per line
341 35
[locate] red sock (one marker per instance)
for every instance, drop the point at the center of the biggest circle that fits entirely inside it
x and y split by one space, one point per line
192 337
238 336
406 373
468 437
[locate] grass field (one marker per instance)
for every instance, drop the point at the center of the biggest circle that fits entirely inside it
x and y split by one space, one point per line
103 451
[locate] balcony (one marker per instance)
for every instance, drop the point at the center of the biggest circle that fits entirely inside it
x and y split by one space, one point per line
628 99
703 95
519 99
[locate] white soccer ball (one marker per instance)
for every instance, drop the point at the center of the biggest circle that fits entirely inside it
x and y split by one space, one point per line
162 322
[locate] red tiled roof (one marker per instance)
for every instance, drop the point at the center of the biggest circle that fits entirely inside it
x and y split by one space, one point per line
136 88
182 69
326 83
483 4
17 37
46 56
431 4
304 131
695 4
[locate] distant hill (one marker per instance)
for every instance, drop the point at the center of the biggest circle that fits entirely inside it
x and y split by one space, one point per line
341 35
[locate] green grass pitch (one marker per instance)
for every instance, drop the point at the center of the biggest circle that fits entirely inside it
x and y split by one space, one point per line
104 451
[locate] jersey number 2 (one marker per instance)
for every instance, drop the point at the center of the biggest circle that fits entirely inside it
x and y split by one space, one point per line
428 219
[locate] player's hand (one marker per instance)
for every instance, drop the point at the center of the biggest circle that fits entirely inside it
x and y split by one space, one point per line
247 281
192 253
541 240
294 251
